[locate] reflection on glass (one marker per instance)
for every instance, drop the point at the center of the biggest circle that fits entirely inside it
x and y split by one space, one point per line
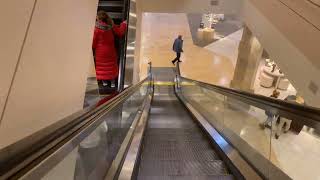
296 149
91 159
238 122
92 95
276 146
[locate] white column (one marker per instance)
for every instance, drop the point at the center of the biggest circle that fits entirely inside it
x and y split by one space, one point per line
250 52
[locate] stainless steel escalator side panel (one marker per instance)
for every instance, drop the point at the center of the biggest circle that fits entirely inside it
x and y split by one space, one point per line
128 167
123 168
112 171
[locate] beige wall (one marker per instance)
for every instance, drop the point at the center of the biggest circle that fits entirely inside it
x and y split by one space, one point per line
14 21
92 69
50 80
305 9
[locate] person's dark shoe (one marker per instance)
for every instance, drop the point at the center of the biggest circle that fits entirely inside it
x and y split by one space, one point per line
172 62
277 136
179 61
106 90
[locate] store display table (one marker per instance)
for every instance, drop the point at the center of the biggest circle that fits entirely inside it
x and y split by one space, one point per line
276 74
206 34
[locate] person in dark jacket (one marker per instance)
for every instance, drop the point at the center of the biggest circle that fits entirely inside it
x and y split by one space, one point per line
177 47
103 45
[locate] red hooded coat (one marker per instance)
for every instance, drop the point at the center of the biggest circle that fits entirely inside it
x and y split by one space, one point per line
105 52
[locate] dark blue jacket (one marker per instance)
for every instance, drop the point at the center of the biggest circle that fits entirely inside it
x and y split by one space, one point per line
177 45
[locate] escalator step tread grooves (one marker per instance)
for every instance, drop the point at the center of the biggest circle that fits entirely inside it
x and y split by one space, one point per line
213 177
179 152
219 177
182 168
174 147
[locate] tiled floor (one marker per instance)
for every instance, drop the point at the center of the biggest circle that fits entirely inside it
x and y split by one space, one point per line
158 32
227 46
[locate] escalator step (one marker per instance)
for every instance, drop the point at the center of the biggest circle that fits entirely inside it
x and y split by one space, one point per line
214 177
175 147
165 155
182 168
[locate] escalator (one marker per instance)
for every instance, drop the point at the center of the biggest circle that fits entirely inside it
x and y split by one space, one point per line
174 146
165 127
116 9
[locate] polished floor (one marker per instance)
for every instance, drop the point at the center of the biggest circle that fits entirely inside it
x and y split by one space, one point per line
158 33
297 155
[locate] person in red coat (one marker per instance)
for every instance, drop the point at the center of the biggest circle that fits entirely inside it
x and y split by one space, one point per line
106 57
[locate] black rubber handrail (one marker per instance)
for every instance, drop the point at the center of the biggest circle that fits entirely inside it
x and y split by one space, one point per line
308 115
17 156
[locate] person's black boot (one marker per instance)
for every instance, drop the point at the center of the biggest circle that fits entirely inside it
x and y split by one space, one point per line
172 62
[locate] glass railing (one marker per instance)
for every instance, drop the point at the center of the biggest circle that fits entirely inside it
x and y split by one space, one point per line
257 132
92 157
84 151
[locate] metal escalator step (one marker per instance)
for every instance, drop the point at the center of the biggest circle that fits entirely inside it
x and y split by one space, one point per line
179 144
174 146
203 156
176 137
188 146
173 131
182 168
214 177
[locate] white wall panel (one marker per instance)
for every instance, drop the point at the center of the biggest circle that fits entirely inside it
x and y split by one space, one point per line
14 19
